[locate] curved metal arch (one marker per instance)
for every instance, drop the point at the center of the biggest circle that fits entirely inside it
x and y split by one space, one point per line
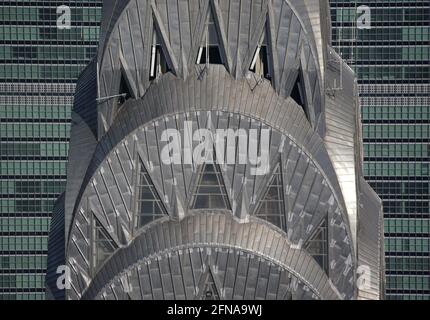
342 251
136 113
169 236
129 285
304 27
309 36
275 161
132 112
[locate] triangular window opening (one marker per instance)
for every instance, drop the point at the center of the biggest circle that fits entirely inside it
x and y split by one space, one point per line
271 206
150 207
103 245
317 245
260 60
208 291
210 192
124 90
298 92
210 50
159 64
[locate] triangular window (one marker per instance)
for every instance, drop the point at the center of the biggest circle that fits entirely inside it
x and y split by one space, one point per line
103 245
271 206
210 192
298 94
260 60
317 245
208 289
150 207
124 90
159 64
210 49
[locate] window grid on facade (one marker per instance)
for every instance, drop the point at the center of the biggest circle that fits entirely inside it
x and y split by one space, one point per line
392 63
39 65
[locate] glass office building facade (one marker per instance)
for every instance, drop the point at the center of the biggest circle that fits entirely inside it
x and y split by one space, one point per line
392 62
39 65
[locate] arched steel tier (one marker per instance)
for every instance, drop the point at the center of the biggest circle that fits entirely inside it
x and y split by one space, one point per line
216 154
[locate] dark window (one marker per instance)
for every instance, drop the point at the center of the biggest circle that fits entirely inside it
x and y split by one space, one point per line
210 50
210 190
271 207
24 52
103 244
317 245
298 92
260 61
159 64
150 207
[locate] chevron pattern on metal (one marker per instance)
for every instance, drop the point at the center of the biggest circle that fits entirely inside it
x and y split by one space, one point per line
274 212
239 26
307 196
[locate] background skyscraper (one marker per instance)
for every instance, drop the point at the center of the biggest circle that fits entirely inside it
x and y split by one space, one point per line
392 63
39 65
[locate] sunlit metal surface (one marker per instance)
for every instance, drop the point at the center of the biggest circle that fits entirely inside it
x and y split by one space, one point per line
131 226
